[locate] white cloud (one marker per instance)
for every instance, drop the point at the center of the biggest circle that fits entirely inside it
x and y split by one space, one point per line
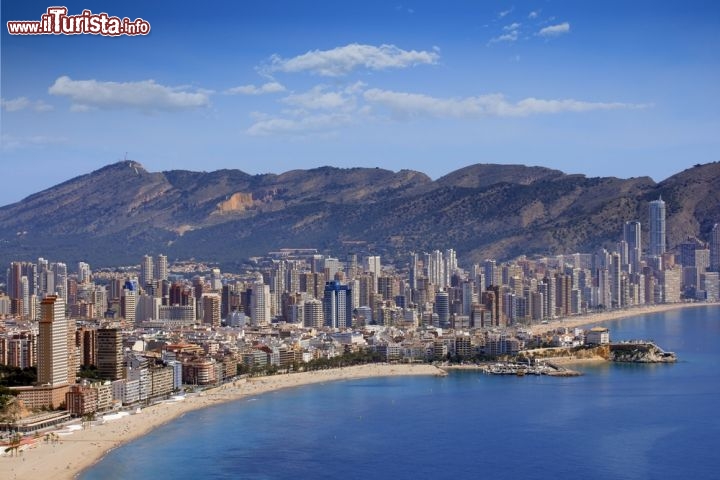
507 37
512 33
23 103
505 13
270 87
80 108
321 123
415 105
13 142
15 104
356 87
400 8
342 60
339 109
555 30
534 14
318 98
145 95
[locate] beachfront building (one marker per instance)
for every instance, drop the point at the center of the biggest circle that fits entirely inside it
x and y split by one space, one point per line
199 371
55 357
41 396
81 400
597 336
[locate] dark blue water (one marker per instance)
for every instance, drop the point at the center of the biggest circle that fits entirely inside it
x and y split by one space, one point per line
615 422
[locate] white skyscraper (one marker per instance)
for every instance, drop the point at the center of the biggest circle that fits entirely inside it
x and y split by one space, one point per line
161 268
372 264
146 271
260 303
313 313
657 228
435 268
83 272
61 276
450 260
216 279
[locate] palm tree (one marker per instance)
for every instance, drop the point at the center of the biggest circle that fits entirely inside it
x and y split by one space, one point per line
12 412
87 418
14 444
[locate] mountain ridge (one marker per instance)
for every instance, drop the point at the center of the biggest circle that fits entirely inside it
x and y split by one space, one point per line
121 211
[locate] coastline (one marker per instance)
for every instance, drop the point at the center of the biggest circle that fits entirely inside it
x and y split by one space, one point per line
78 450
597 318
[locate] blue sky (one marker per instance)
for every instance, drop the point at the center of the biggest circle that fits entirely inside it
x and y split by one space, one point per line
611 88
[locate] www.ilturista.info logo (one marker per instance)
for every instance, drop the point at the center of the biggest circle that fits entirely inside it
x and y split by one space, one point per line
57 22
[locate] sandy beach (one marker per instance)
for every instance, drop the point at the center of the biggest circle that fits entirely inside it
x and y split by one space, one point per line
78 448
599 318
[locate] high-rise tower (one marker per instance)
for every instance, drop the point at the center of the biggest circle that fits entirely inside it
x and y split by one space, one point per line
160 269
53 365
715 248
84 273
146 271
442 308
260 314
110 353
657 228
337 305
633 238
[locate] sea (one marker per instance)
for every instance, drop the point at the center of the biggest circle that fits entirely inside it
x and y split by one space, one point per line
617 421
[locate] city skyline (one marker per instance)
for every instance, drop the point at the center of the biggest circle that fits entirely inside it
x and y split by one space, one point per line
116 340
271 88
278 273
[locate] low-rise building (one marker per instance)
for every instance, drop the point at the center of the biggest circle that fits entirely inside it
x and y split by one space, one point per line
598 336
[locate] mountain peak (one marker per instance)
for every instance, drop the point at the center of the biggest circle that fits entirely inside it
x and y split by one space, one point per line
121 211
120 166
486 174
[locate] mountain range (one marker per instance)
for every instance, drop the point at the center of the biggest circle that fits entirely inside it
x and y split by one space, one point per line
116 214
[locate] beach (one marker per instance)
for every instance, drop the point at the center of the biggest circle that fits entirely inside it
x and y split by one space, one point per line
78 448
598 318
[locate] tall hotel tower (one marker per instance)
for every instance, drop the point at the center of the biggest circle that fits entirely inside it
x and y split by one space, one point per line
337 305
53 364
657 228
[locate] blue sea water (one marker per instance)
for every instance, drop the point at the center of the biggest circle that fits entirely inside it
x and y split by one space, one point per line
615 422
